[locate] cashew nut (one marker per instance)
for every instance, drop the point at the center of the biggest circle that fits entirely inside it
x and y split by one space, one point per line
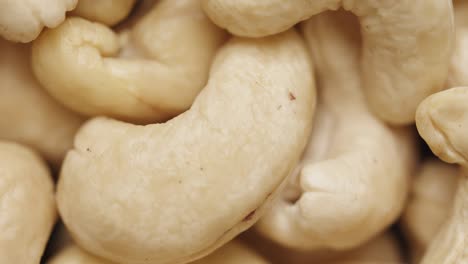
353 179
231 253
152 74
405 51
429 204
383 249
174 192
109 12
27 206
442 120
458 71
23 20
29 115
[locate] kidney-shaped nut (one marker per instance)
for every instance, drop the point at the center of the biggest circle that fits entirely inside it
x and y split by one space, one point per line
174 192
23 20
429 204
442 121
162 65
231 253
353 179
28 114
406 44
27 205
109 12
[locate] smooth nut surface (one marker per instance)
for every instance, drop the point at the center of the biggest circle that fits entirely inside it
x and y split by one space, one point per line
353 178
150 72
174 192
27 205
429 204
231 253
442 121
458 71
109 12
382 249
29 115
23 20
405 51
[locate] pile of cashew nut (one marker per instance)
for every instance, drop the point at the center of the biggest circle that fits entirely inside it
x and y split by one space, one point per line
233 131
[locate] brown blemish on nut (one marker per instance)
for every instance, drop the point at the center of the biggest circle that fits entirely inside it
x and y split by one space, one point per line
292 97
249 216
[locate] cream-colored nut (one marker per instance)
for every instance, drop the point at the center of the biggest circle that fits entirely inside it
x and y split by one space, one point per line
23 20
28 114
429 204
405 51
109 12
449 245
383 249
458 71
353 179
154 73
27 205
442 121
72 254
231 253
174 192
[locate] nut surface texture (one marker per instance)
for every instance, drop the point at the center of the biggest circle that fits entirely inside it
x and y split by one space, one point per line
353 179
405 51
149 72
174 192
23 20
442 121
109 12
28 114
27 205
429 204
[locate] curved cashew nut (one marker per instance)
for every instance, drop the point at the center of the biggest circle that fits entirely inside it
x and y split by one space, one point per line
400 65
23 20
163 64
442 121
109 12
29 115
231 253
429 204
27 202
458 71
353 179
202 177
